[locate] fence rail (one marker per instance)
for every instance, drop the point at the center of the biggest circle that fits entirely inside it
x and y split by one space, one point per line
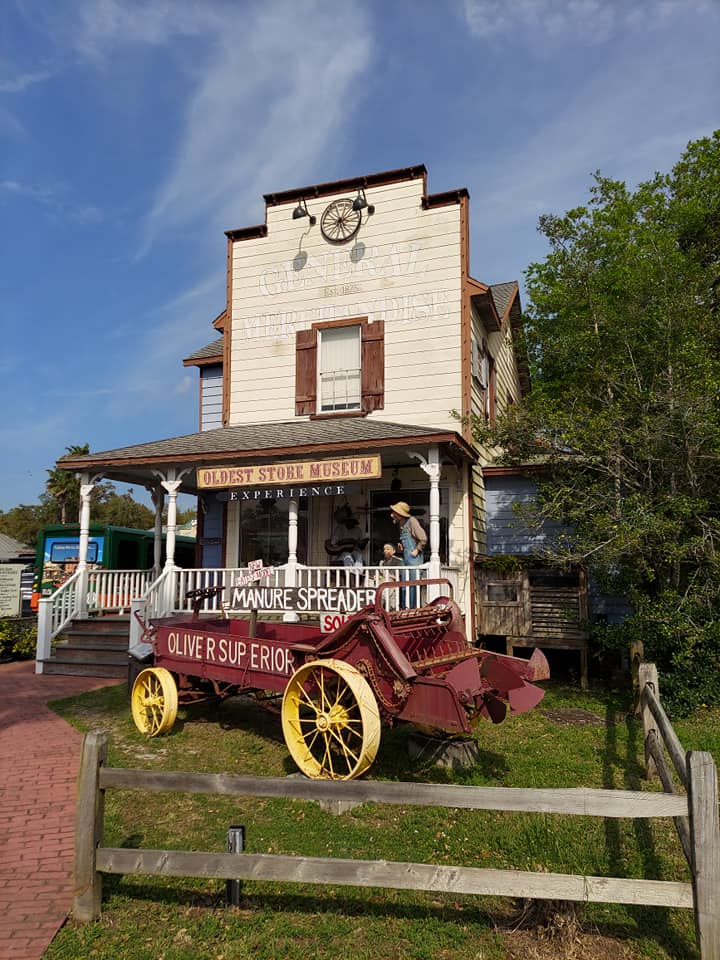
93 859
698 831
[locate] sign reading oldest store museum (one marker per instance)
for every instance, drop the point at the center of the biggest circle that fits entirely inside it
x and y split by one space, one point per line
308 472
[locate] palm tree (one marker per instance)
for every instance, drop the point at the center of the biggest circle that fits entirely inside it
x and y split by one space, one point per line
63 485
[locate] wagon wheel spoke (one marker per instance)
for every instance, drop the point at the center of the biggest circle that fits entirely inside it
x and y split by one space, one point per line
347 752
330 720
154 701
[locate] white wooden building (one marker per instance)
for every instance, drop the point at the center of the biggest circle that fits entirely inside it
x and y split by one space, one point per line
352 344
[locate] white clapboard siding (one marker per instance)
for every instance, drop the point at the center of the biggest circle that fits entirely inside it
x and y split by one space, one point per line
211 380
402 267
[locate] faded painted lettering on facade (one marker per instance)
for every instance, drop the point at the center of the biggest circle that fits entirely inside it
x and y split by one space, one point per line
283 325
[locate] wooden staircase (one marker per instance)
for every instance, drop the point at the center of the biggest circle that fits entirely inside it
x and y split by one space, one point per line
93 647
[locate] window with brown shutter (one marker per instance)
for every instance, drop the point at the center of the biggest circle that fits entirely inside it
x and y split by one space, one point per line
373 366
308 372
305 372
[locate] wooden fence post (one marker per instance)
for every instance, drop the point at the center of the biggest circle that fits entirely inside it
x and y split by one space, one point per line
705 836
89 828
637 656
647 674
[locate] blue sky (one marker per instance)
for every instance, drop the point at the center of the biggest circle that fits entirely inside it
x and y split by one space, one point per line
132 134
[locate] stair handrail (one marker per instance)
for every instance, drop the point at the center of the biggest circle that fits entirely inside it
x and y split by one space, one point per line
55 613
158 600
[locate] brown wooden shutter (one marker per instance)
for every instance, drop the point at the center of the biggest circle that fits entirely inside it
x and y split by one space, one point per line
492 391
373 366
305 372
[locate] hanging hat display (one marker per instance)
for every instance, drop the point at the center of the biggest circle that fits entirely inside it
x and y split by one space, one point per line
344 514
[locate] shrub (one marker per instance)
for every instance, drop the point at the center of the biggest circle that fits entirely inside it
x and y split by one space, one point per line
682 639
18 638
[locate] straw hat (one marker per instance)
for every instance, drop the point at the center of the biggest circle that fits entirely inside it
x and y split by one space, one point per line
400 508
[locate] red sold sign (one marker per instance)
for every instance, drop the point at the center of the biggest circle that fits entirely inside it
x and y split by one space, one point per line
330 622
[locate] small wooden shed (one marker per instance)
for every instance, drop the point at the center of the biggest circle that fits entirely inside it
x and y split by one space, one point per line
534 606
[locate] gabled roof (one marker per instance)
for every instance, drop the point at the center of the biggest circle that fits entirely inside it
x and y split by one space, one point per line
502 294
11 549
212 352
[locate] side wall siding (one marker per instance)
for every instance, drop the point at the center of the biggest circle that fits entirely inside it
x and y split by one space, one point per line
211 384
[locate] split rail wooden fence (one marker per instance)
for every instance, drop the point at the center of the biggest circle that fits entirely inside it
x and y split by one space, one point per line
695 814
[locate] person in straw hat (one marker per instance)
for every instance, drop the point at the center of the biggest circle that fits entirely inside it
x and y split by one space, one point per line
412 539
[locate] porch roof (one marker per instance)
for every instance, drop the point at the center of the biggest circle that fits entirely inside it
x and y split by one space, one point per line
246 443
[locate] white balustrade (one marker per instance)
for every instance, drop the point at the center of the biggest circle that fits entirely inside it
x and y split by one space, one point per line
115 591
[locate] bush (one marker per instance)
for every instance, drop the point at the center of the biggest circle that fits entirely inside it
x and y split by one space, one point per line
682 640
18 638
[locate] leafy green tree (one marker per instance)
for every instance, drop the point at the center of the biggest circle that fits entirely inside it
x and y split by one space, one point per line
121 510
23 522
623 340
64 486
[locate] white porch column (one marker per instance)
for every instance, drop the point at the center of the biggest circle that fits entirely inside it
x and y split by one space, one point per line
432 468
171 485
86 488
291 572
158 499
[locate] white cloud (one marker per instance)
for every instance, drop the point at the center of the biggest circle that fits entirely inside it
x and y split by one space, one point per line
264 111
100 27
24 80
55 199
10 126
595 21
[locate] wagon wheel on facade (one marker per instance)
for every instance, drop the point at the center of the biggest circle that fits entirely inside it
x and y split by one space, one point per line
330 720
154 701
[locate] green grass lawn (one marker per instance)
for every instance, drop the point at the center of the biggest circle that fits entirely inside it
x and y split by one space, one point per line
183 919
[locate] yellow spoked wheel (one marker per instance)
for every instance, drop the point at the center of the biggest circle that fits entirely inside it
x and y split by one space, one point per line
330 720
154 701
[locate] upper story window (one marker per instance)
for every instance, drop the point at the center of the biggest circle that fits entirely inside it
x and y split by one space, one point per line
340 368
484 374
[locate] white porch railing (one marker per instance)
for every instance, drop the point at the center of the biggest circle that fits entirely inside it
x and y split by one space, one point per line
86 592
113 591
167 595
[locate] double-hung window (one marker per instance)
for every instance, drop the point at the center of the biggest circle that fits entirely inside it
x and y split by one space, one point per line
339 369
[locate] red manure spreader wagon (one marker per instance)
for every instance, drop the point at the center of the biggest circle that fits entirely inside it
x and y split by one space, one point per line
336 690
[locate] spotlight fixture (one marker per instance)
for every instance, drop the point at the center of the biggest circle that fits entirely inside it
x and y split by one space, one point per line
301 210
396 482
360 202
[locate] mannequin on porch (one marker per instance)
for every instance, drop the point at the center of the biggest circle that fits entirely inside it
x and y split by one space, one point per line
348 540
413 539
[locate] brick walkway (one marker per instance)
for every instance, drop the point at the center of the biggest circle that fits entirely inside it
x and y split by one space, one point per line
39 760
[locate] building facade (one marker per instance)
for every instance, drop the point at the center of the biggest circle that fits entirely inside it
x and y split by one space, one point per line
352 348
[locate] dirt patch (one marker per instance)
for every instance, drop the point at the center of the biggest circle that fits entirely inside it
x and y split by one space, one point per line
555 930
531 945
573 716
